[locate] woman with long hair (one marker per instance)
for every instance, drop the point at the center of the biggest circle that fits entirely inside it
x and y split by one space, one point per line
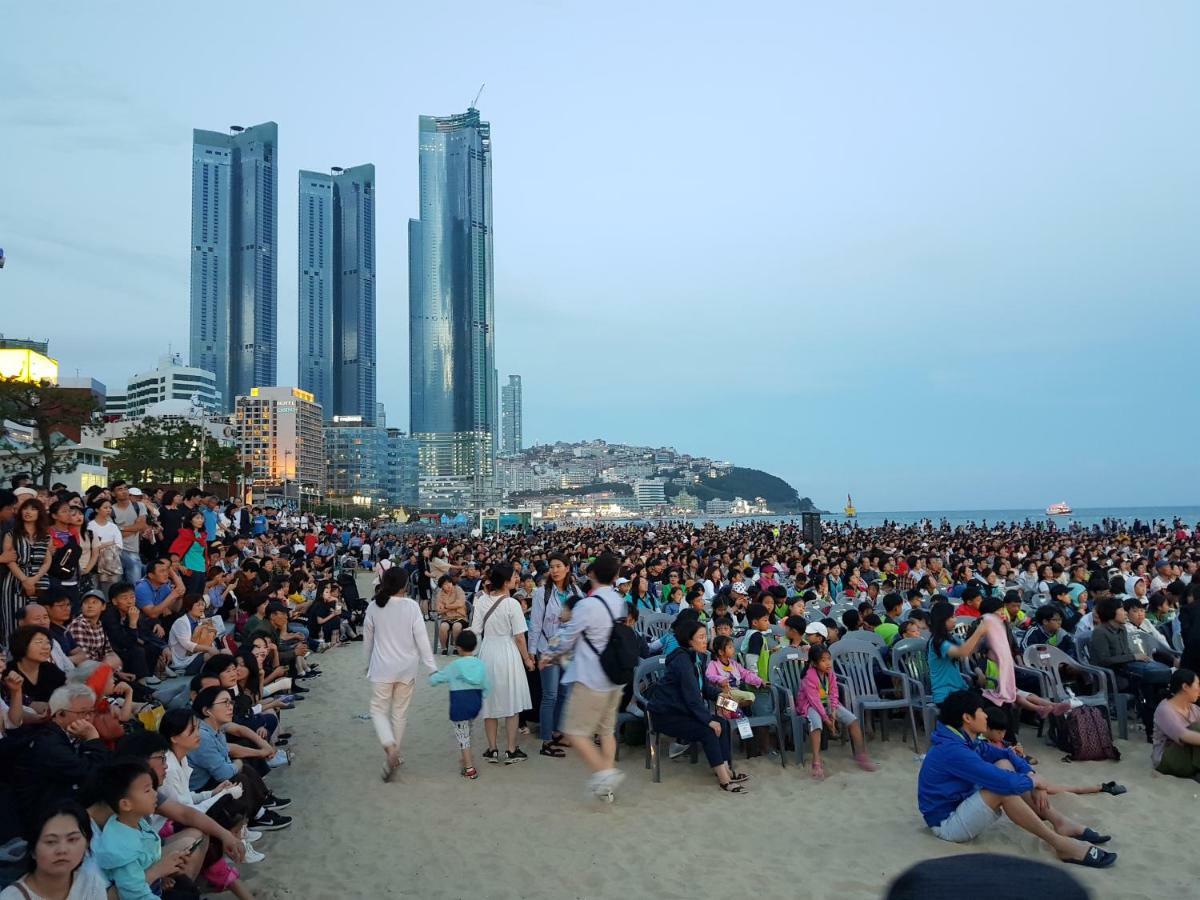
27 547
640 595
549 601
396 645
500 624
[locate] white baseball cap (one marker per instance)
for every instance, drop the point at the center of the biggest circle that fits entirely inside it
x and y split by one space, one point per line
620 581
817 628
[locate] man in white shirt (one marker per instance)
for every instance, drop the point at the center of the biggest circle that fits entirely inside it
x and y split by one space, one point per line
592 705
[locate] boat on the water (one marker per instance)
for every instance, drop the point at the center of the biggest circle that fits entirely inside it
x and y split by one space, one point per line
1058 509
850 511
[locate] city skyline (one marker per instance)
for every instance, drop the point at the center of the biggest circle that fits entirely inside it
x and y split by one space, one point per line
763 237
234 278
336 298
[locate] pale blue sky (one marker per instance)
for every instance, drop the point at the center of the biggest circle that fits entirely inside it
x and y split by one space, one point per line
942 255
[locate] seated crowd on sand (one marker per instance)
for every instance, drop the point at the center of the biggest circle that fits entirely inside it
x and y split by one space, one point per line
156 640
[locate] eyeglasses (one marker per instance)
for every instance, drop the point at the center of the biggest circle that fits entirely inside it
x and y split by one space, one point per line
225 702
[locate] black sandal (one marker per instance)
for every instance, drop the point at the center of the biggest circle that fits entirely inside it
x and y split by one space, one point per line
548 749
1095 858
732 787
740 777
1111 787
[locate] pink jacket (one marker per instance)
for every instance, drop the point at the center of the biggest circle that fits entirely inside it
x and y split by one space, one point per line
736 676
809 695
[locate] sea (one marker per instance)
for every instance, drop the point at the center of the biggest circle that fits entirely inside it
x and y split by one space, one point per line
955 517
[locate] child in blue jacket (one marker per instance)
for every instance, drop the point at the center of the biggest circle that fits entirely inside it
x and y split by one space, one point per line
468 682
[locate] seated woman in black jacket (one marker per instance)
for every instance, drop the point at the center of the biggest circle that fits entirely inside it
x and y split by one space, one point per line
678 706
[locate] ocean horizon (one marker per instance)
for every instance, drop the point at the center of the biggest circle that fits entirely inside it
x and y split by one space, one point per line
1087 516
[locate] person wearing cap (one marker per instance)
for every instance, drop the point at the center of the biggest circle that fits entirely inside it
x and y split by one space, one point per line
88 632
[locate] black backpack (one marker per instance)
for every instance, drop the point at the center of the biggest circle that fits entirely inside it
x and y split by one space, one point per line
620 656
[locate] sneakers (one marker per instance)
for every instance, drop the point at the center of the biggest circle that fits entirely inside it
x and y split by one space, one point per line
491 755
279 759
515 756
252 855
677 750
276 803
604 784
252 835
271 821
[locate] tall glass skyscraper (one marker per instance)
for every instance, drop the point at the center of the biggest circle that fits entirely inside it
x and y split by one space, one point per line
453 402
336 283
510 416
234 297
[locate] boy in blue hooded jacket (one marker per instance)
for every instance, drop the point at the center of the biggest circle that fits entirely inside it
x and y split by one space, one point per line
965 784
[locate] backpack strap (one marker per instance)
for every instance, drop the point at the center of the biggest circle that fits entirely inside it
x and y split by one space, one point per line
487 615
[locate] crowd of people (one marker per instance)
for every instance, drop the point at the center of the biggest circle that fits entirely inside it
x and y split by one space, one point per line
156 640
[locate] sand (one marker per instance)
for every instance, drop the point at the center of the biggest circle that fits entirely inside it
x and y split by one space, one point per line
528 831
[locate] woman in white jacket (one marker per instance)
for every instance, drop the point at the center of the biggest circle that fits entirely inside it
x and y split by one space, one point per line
396 644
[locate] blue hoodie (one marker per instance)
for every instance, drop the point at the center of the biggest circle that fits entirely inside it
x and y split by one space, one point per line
956 767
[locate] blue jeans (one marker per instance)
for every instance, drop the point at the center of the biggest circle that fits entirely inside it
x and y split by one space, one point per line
297 628
550 712
131 565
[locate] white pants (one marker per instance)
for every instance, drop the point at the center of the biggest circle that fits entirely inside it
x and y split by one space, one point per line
389 710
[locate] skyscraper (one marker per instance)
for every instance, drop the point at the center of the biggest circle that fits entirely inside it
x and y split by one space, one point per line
453 403
234 224
336 283
510 416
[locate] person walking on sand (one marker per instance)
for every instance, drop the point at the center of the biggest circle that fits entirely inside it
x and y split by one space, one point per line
396 645
592 704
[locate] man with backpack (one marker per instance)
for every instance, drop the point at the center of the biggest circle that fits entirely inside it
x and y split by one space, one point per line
605 655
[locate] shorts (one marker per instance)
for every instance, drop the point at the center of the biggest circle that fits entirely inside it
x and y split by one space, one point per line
972 817
841 714
591 712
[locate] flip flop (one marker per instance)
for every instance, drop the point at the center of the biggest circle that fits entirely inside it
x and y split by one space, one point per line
1094 837
1094 859
1111 787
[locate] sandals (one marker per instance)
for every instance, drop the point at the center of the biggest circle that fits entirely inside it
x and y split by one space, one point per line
388 771
740 777
1111 787
469 772
1095 858
732 787
818 771
1093 837
548 749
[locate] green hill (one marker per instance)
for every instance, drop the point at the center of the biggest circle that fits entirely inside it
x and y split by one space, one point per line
748 484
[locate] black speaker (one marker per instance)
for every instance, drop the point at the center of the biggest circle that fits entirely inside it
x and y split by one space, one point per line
810 527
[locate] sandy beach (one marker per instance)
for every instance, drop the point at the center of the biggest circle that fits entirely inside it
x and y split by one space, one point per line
528 831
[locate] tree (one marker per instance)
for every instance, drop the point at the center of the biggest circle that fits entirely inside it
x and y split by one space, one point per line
51 414
166 450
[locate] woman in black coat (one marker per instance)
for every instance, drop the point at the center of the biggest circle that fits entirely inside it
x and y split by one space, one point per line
678 705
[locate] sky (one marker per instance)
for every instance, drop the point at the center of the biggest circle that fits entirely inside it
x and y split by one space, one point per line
938 255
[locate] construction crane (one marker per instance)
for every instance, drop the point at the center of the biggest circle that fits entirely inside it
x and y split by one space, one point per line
475 102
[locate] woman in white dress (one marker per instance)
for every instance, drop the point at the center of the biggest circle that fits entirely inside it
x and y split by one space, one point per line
499 623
